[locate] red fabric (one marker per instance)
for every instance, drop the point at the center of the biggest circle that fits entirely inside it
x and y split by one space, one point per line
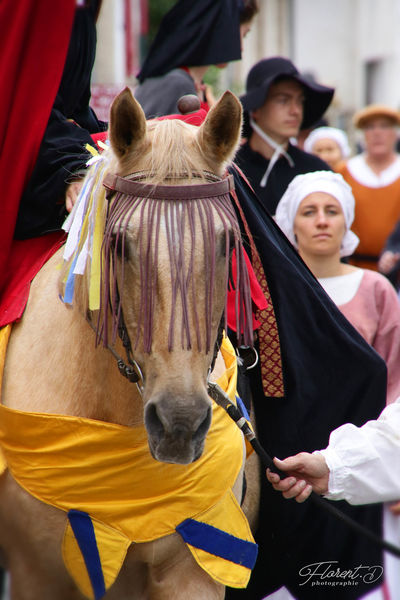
205 106
102 136
34 38
257 295
26 258
194 118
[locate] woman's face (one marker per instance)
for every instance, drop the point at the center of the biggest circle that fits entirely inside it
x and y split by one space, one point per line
328 150
319 225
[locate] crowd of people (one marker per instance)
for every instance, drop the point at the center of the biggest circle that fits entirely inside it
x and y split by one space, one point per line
328 214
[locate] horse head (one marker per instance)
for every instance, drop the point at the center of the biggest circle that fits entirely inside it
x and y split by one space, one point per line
169 234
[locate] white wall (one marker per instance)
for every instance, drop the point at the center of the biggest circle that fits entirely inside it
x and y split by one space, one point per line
109 67
338 39
333 39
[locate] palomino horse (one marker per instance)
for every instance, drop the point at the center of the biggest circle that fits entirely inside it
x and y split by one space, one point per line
74 521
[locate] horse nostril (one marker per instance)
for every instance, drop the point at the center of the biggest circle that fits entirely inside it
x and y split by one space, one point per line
160 421
153 422
204 426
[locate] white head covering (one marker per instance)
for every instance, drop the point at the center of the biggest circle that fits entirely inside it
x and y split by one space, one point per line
321 133
319 181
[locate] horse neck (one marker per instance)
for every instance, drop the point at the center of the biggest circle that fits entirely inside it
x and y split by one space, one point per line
66 373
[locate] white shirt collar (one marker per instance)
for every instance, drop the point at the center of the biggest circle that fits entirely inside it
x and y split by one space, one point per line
360 170
278 151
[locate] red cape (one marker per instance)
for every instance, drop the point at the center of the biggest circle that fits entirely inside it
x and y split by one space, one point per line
34 38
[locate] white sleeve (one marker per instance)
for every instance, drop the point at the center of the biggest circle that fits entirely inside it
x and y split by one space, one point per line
364 462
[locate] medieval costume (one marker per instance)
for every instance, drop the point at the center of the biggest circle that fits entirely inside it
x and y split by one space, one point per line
317 369
330 144
332 133
364 467
370 303
270 178
376 442
191 34
254 165
377 206
377 192
41 30
62 155
52 149
315 372
366 298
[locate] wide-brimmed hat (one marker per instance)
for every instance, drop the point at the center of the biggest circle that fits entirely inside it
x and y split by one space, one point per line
270 70
372 111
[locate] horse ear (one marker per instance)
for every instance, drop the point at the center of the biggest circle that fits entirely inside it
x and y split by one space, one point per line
220 133
127 123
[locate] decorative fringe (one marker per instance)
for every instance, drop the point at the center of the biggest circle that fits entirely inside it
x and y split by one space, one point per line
179 219
96 234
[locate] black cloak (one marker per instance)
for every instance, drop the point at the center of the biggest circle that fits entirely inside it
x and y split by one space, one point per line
331 376
194 33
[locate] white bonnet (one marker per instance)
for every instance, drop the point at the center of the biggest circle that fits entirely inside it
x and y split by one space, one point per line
319 181
332 133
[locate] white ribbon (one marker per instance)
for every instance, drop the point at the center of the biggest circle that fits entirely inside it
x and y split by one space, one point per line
278 151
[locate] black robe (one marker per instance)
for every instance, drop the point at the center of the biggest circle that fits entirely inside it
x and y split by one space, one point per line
331 376
194 33
62 152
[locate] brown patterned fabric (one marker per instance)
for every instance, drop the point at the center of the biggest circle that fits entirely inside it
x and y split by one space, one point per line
268 334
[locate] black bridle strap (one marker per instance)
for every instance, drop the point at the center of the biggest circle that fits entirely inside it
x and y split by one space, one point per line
131 371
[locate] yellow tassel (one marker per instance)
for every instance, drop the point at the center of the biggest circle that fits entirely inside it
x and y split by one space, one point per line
91 149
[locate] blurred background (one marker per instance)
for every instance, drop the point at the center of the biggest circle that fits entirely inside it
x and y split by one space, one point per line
352 45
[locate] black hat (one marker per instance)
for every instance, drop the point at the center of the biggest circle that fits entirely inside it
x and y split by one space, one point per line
270 70
194 33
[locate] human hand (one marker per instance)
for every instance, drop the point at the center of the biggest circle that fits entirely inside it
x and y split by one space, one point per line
387 261
71 194
307 472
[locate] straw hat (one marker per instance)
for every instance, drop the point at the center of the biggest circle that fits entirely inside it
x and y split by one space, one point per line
372 111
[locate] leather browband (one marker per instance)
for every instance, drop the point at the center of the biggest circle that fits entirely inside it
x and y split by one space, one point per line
115 183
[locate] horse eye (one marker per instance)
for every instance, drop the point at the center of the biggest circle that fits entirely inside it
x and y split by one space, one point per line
119 246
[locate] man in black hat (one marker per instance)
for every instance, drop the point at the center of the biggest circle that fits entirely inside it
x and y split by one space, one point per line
278 102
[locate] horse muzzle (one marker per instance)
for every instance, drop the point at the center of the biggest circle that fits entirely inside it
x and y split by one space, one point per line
177 427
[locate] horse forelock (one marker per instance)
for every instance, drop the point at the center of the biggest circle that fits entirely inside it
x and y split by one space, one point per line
172 150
